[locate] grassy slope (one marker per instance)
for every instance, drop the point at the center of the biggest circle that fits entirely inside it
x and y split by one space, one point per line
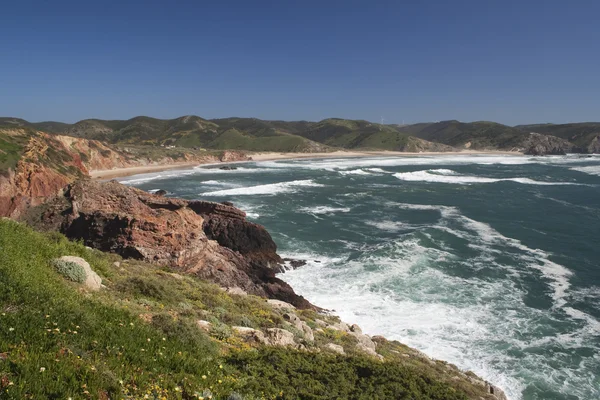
192 131
238 133
11 149
352 134
138 336
481 134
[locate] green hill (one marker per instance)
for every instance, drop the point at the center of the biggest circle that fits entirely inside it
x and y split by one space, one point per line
304 136
474 135
240 133
194 132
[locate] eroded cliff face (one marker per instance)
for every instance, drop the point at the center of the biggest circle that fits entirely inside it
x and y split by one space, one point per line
47 163
538 145
594 147
210 240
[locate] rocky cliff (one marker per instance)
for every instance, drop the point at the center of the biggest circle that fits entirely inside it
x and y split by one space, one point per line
43 164
594 146
538 145
210 240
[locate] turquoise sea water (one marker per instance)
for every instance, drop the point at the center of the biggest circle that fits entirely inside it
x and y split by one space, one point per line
489 262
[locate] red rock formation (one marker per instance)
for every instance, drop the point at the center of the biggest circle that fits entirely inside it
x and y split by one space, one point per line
210 240
50 162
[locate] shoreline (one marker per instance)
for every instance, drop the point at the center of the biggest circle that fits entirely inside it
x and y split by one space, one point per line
108 174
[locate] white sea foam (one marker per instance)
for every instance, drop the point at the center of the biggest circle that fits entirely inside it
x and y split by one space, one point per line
143 178
377 170
592 169
401 289
449 176
268 189
393 226
203 169
418 312
537 259
252 211
355 172
324 210
362 162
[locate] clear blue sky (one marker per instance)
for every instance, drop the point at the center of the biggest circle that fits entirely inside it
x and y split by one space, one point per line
508 61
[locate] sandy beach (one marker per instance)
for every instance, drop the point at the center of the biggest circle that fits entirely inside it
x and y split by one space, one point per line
270 156
143 169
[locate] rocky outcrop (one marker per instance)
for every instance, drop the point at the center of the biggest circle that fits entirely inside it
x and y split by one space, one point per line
336 348
539 145
210 240
47 163
594 147
280 337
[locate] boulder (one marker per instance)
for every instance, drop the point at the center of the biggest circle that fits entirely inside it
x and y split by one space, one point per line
280 337
297 323
250 335
321 323
340 326
336 348
364 340
236 290
365 349
293 264
92 280
280 305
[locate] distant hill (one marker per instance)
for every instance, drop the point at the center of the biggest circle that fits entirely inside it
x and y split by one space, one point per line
480 135
327 135
473 135
239 133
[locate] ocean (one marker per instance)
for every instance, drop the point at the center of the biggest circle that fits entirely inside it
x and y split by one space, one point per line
491 263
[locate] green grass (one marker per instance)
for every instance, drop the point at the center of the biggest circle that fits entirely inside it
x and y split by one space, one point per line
11 148
62 343
139 336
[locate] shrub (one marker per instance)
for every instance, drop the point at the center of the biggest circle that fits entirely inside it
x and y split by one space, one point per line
305 375
220 331
70 270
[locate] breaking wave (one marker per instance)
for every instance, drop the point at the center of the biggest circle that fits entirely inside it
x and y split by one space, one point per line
449 176
268 189
592 169
320 210
406 289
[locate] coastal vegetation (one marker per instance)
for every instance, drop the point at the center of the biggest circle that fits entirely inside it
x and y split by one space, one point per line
139 336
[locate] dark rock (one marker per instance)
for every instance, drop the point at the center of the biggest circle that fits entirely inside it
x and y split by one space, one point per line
227 203
228 168
210 240
295 263
161 192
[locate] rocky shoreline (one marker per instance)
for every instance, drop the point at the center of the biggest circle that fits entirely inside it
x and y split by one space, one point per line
212 241
208 240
